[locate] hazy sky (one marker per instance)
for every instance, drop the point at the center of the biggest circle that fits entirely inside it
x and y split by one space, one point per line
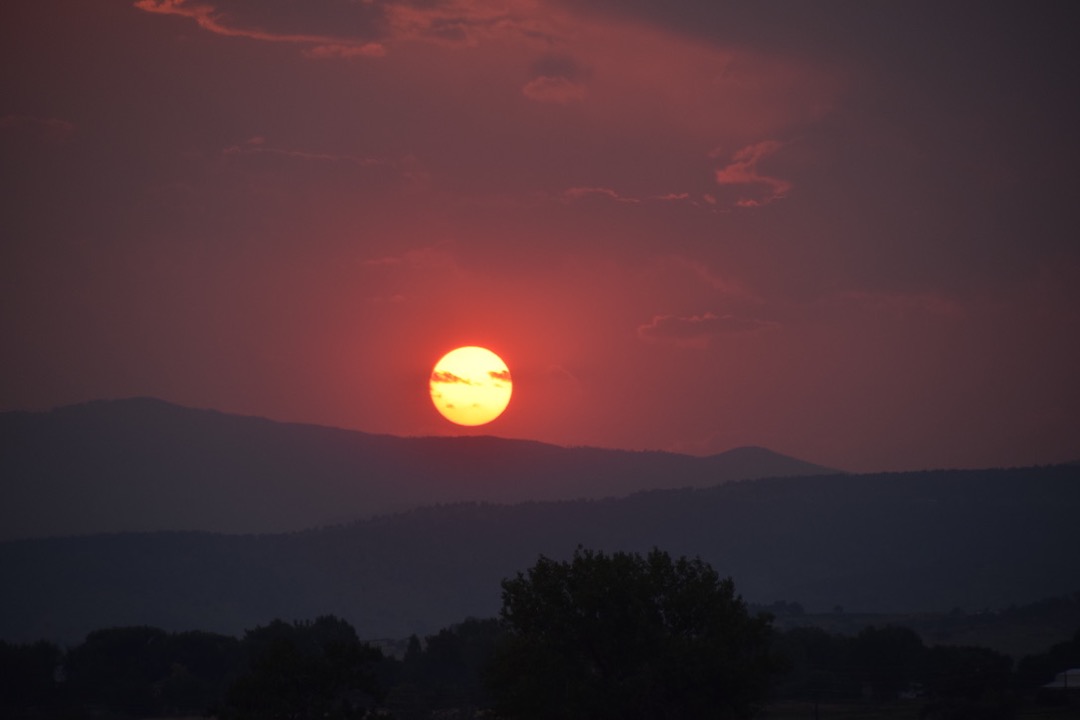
846 231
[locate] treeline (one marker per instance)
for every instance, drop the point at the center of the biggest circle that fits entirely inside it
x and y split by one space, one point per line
892 662
301 669
321 668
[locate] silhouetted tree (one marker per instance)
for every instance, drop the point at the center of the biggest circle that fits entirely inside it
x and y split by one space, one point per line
624 636
145 671
27 676
304 670
201 667
117 668
447 671
1036 670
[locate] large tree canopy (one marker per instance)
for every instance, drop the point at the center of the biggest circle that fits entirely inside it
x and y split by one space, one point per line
625 636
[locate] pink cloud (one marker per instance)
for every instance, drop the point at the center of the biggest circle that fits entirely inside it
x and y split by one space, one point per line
336 51
428 256
554 90
696 329
575 194
640 77
468 23
691 270
257 146
207 17
559 374
581 193
631 81
703 202
410 276
743 170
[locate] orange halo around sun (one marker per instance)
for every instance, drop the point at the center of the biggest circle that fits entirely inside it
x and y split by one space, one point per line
470 386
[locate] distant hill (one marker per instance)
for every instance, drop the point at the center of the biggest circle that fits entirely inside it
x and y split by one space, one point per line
884 543
147 465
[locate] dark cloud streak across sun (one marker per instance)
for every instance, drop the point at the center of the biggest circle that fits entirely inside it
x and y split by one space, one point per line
449 378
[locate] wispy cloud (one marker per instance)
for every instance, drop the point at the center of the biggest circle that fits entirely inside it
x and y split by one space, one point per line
697 329
674 197
407 172
408 277
337 51
468 22
559 90
257 146
581 193
697 271
577 194
208 18
743 170
51 130
437 255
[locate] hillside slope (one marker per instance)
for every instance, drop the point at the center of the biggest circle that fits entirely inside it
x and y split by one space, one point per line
874 543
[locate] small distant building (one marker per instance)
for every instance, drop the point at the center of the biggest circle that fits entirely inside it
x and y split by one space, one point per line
1066 680
1063 690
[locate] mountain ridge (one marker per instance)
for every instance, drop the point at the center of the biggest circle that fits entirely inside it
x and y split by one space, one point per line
144 464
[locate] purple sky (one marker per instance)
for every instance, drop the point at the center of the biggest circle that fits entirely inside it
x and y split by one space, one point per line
846 231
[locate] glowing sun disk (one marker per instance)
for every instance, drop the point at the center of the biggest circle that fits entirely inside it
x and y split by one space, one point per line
470 386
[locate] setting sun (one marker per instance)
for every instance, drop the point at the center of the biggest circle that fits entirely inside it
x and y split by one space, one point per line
470 386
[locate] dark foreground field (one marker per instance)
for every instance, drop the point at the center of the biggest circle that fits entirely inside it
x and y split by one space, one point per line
907 710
